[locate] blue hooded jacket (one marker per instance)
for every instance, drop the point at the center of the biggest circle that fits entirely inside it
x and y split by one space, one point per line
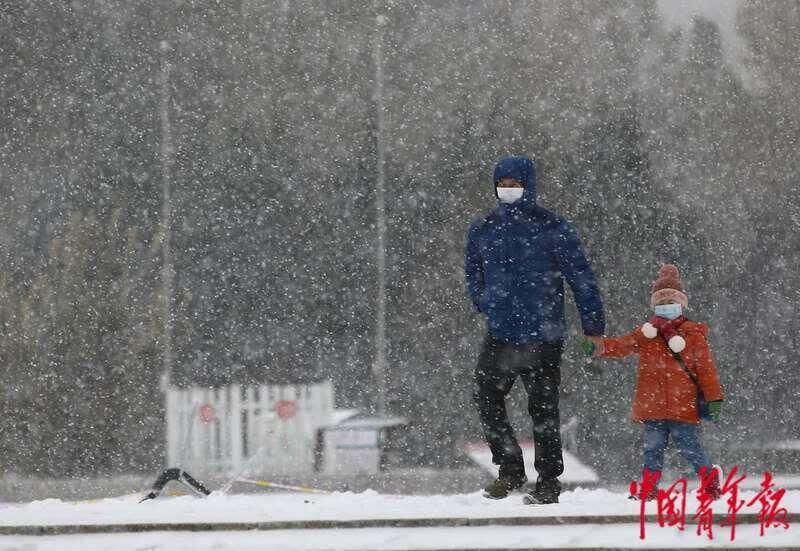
517 258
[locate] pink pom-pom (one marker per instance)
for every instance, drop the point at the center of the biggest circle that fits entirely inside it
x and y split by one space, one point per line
649 330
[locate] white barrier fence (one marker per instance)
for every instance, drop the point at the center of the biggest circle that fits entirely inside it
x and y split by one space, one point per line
271 429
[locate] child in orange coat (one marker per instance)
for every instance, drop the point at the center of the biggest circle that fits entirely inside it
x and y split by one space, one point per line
666 397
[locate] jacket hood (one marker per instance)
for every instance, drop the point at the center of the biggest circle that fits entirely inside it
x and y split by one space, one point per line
521 169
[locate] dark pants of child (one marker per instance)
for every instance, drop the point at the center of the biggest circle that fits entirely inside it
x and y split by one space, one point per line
684 435
538 365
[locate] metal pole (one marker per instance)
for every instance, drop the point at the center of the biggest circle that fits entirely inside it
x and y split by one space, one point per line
379 363
167 271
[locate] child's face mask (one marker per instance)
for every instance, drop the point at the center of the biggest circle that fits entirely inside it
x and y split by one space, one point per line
668 311
509 194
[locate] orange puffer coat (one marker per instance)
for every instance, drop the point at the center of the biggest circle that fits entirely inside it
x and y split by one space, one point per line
663 389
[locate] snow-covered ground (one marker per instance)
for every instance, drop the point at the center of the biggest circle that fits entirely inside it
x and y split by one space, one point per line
261 508
336 506
389 539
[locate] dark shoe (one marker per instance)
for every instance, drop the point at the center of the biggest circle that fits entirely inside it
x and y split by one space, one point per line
546 491
504 485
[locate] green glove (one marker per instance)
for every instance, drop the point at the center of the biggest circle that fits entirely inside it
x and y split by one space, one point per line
587 347
715 410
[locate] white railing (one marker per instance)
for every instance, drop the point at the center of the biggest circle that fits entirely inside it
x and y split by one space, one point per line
269 429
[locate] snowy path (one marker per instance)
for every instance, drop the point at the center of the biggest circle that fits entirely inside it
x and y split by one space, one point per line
266 508
274 507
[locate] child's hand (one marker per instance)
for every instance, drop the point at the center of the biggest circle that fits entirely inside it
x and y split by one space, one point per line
590 346
715 410
587 347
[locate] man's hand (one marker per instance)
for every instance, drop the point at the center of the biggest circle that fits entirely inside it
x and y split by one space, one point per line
715 410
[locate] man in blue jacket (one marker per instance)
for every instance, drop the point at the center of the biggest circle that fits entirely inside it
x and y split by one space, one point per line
517 258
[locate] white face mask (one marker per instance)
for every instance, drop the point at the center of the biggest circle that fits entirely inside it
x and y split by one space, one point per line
510 194
669 311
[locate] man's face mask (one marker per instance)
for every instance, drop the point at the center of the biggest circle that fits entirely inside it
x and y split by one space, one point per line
668 311
509 194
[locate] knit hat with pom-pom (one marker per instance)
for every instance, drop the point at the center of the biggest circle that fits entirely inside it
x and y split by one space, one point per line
668 286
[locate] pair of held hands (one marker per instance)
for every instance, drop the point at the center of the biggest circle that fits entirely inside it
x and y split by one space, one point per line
592 346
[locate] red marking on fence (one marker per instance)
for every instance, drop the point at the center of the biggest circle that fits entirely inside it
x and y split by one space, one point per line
286 409
207 414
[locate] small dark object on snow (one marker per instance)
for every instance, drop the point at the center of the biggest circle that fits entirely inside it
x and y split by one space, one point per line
181 476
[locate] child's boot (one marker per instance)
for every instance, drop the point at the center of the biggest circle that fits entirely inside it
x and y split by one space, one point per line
711 482
647 489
